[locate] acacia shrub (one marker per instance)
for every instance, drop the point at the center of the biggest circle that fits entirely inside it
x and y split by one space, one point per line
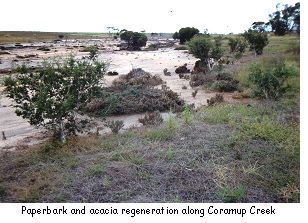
51 95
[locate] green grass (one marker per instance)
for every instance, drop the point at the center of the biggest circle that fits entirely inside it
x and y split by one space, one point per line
169 154
280 44
284 47
96 169
231 195
162 134
186 115
228 114
275 161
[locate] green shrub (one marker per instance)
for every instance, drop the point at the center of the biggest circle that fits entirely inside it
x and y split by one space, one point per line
92 51
204 48
134 40
51 95
185 34
256 40
176 35
186 115
171 122
270 79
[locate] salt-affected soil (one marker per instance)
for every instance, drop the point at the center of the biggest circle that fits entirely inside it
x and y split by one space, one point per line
19 132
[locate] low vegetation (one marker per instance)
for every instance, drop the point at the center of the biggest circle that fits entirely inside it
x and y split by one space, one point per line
249 154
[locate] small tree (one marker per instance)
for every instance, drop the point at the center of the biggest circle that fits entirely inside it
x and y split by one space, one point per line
51 96
185 34
204 48
256 40
134 40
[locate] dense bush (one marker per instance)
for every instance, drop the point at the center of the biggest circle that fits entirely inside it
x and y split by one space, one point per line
257 40
138 77
128 99
134 40
185 34
270 79
51 95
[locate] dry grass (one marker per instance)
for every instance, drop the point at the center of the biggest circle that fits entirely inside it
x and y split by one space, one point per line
30 37
227 160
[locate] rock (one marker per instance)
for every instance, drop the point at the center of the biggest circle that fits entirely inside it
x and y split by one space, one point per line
112 73
166 72
184 87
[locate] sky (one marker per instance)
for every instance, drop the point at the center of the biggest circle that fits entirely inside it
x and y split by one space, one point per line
218 16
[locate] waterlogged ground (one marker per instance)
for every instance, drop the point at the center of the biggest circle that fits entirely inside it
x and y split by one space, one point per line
19 132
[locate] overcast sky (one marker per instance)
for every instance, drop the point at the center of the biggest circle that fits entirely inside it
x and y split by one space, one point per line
218 16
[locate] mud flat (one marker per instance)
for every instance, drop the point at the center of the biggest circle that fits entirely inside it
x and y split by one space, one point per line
19 132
